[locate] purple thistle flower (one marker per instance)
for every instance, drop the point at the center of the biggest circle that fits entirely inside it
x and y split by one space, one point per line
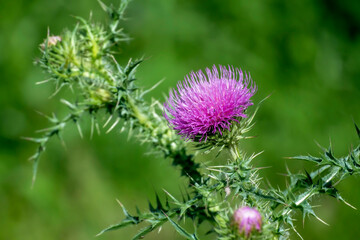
247 219
204 104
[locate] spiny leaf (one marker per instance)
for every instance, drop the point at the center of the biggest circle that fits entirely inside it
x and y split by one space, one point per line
36 140
302 197
343 200
318 172
309 179
332 173
330 157
126 213
122 224
289 221
70 105
308 211
35 168
147 229
114 14
131 67
158 203
181 230
129 220
308 158
172 197
357 130
152 209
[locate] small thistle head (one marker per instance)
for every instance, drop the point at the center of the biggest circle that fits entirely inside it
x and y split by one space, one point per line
203 104
247 220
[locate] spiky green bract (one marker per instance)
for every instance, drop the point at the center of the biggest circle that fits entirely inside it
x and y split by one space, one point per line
236 133
82 59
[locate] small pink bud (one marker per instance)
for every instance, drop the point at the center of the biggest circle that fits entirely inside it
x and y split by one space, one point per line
227 191
51 41
248 219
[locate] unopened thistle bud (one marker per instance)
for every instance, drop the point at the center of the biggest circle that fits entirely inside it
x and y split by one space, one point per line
247 220
207 104
227 191
51 41
100 96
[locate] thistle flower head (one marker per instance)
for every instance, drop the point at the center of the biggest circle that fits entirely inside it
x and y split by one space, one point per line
206 104
247 220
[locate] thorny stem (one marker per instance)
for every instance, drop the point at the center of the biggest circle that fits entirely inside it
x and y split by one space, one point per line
139 115
179 155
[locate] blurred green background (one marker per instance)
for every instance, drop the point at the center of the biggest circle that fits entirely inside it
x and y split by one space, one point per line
305 53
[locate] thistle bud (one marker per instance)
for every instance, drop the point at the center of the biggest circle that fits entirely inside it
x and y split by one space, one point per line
100 96
247 220
227 191
51 41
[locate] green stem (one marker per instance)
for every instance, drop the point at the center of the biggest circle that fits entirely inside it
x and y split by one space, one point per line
139 115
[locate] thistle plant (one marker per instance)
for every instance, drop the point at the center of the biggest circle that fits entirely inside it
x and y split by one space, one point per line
211 111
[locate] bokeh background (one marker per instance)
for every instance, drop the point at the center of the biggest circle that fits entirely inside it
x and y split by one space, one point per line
305 53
